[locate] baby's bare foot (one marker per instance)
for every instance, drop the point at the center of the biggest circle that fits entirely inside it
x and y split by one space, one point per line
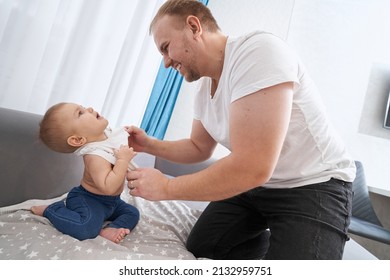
38 210
114 234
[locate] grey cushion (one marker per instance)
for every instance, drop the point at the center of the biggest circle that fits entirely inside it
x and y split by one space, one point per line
364 221
28 169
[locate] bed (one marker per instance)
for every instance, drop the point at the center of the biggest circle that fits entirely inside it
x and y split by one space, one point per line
30 174
160 234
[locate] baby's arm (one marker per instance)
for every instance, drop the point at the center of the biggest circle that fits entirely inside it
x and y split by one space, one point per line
106 178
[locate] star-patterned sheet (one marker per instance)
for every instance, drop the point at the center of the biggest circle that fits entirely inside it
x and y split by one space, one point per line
160 234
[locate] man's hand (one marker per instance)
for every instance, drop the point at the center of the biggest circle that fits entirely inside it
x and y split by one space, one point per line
148 183
138 139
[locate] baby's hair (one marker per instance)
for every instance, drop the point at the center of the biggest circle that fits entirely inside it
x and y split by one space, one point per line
53 132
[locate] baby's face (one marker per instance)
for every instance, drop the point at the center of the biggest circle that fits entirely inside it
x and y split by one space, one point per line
84 121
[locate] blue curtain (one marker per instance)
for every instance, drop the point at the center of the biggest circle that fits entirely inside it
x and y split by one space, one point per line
162 100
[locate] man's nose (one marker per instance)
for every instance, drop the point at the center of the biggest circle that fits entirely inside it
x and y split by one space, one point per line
167 61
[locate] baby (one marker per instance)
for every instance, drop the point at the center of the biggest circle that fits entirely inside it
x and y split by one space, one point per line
71 128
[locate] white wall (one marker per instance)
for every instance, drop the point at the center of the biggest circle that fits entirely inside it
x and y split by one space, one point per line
345 45
341 43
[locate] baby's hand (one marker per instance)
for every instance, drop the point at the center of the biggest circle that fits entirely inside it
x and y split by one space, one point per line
124 152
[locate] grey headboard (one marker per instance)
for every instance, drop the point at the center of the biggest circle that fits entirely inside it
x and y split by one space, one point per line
177 169
27 168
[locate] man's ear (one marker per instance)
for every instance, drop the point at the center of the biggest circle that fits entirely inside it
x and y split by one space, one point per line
76 141
195 25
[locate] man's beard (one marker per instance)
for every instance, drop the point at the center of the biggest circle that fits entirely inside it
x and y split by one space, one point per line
192 75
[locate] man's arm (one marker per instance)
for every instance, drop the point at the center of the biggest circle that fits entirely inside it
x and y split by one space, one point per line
258 126
197 148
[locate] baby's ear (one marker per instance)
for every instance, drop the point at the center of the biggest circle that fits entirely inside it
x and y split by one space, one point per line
76 141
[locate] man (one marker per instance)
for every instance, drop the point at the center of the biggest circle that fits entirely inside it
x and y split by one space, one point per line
287 170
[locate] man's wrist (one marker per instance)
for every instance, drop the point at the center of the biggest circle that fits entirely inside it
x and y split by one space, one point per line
168 188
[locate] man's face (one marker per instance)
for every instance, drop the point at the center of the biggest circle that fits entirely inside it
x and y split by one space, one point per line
175 42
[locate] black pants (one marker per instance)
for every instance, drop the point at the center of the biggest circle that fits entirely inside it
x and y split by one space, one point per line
307 222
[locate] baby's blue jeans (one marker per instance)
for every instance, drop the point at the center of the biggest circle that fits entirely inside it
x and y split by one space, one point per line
83 213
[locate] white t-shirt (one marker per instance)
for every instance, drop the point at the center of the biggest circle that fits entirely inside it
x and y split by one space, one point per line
105 149
312 152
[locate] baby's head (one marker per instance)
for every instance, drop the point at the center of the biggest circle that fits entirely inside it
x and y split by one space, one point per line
65 127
